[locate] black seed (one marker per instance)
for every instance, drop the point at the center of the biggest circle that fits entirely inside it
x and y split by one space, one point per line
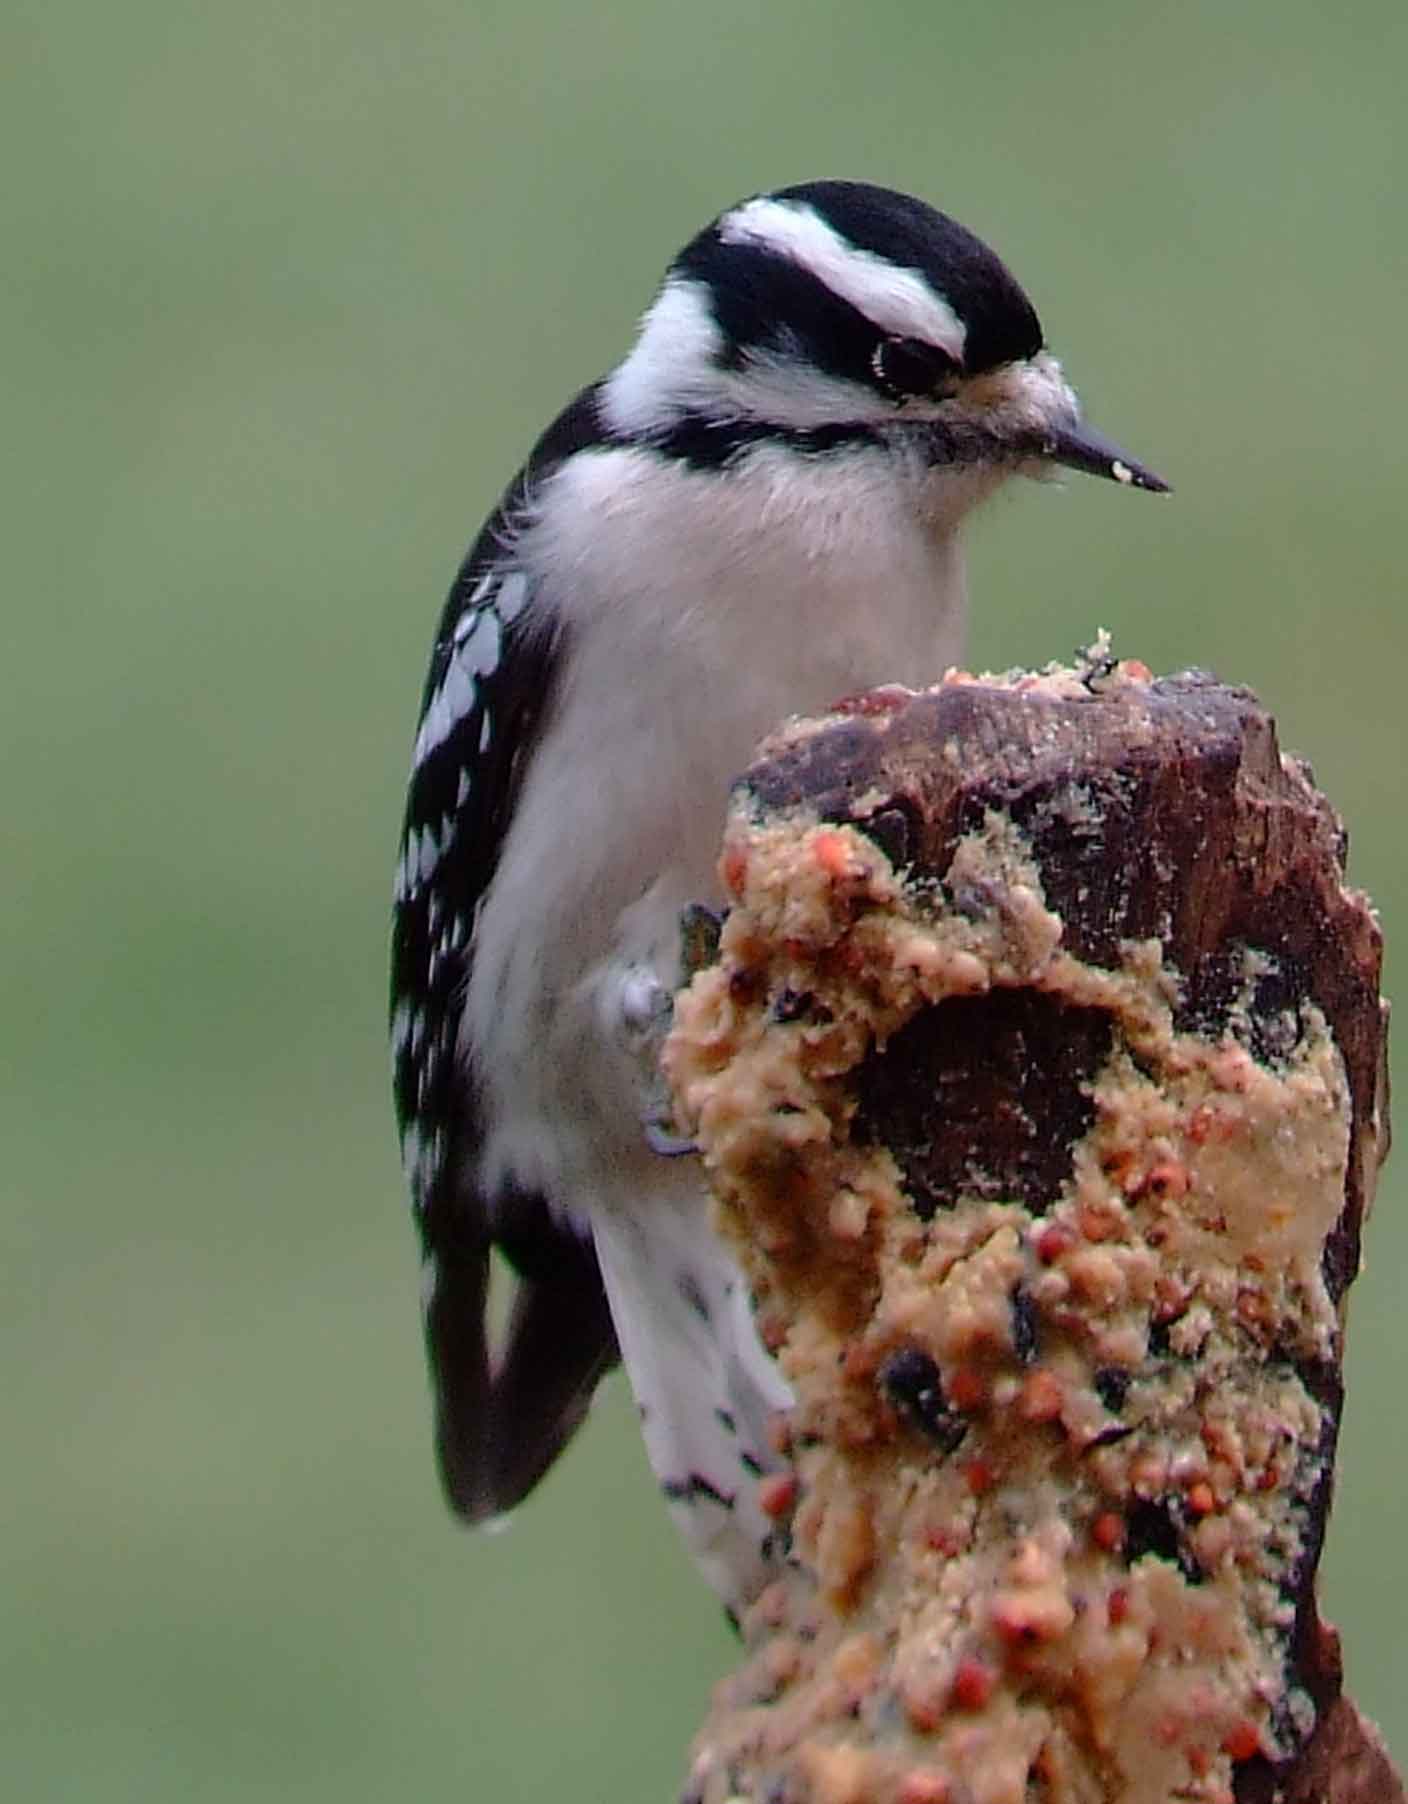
1112 1387
791 1005
911 1380
744 984
1024 1325
893 831
1158 1339
1107 1437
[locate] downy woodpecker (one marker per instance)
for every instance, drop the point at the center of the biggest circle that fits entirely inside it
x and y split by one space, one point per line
757 512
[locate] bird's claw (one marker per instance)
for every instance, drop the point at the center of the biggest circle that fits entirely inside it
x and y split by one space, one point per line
661 1138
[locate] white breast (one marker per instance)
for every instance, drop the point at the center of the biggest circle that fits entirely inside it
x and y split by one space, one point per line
698 612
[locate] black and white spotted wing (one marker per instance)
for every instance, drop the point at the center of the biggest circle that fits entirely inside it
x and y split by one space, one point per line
501 1415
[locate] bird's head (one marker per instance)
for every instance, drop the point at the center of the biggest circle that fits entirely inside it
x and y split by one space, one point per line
838 312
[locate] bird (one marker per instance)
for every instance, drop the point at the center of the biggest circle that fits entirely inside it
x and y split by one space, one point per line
756 511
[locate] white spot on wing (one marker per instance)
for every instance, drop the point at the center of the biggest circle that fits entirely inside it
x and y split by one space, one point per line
412 1156
406 868
402 1021
433 728
457 690
512 596
478 595
480 651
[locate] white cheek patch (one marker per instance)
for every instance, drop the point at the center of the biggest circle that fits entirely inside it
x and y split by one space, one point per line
675 356
897 300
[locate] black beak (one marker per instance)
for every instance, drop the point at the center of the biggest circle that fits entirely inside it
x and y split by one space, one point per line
1082 448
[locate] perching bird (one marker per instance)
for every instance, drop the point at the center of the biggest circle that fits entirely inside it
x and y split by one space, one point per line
757 512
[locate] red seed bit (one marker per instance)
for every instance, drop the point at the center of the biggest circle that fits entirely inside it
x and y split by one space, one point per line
1107 1531
1117 1606
1167 1178
1170 1298
1231 1068
1253 1308
1148 1473
771 1332
860 1361
920 1787
1052 1241
1098 1223
980 1476
1041 1396
924 1704
835 856
777 1493
1242 1740
973 1684
1201 1500
733 868
871 703
1027 1618
744 984
1117 1164
1217 1437
965 1389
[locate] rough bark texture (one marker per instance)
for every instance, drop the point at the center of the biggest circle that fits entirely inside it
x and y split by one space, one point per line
1153 812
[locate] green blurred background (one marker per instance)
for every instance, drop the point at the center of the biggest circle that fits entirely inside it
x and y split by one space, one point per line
289 288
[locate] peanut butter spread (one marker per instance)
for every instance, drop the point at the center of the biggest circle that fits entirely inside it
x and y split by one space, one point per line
1051 1461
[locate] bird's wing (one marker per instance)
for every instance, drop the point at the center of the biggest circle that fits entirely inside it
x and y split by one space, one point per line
502 1415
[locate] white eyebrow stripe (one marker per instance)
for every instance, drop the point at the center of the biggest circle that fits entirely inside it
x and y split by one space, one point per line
897 300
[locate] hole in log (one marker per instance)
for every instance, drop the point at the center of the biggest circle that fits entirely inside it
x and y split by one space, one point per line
985 1096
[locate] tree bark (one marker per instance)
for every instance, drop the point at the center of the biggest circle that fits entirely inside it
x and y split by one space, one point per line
1040 1080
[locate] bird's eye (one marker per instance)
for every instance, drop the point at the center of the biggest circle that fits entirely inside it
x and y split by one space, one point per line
906 367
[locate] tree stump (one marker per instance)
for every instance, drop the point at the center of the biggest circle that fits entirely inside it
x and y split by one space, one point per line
1040 1082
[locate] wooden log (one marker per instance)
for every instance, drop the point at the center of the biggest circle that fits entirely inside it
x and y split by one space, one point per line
1040 1080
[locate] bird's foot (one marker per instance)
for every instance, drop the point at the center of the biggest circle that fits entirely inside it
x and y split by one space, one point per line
646 1011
